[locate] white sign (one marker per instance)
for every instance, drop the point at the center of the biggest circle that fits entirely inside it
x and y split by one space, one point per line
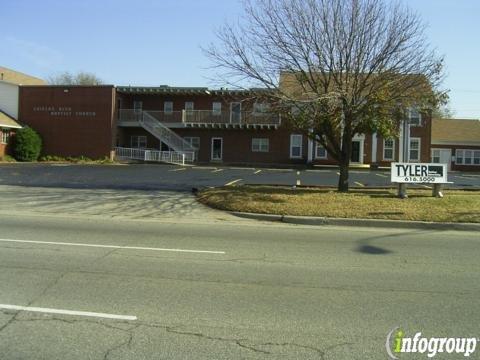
418 173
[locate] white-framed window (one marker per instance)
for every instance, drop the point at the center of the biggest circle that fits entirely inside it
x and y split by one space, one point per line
168 107
467 157
137 106
138 141
415 117
194 141
414 149
296 146
5 136
435 156
320 151
260 144
189 105
388 149
260 108
216 108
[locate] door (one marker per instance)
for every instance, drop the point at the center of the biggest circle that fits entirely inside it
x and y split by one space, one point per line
355 152
137 109
217 149
235 113
189 114
442 156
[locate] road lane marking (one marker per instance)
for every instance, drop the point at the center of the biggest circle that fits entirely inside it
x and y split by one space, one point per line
68 312
233 182
359 184
111 246
382 175
258 171
204 167
181 169
241 168
217 170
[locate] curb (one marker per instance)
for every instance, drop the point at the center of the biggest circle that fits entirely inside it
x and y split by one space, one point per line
325 221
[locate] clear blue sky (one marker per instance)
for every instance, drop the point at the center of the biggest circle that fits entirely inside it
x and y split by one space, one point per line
154 42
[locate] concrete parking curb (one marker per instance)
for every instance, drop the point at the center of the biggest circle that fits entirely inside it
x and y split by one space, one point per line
399 224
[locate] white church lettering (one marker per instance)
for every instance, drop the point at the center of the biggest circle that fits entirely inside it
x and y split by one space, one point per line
63 111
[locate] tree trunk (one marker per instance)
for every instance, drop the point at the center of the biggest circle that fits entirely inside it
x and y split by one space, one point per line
343 179
344 161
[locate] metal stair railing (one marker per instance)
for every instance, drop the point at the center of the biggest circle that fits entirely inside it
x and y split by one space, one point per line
164 134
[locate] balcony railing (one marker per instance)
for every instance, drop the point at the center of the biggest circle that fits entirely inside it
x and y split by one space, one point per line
203 117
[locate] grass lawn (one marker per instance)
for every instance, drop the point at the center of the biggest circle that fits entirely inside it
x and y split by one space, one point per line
456 206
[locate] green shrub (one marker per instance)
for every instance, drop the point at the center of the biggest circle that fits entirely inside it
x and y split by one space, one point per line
7 158
28 144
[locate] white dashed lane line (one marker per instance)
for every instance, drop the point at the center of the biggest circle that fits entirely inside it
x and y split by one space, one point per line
233 182
67 312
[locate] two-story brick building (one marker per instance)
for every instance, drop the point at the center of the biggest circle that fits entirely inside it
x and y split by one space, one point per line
214 126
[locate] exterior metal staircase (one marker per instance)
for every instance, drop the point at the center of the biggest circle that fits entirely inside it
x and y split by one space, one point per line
180 152
164 134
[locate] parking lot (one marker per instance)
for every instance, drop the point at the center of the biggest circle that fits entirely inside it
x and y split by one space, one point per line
184 178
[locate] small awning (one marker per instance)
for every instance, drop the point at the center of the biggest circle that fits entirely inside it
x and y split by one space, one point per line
7 121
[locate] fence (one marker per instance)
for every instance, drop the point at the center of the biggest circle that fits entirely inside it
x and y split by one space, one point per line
173 157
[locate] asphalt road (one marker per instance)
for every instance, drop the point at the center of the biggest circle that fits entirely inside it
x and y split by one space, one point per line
171 177
248 290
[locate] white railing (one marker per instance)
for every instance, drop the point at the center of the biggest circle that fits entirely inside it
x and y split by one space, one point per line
202 117
163 133
173 157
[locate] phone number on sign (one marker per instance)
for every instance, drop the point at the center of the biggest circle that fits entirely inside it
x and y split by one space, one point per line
421 179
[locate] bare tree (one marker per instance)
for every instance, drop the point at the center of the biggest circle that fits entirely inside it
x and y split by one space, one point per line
81 78
443 111
334 68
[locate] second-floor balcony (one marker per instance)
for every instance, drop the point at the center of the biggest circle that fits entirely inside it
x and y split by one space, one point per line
202 118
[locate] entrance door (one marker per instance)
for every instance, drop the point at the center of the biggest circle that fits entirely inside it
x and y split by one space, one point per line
235 113
355 152
217 149
442 156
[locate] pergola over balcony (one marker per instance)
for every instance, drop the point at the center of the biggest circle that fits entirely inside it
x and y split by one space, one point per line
203 118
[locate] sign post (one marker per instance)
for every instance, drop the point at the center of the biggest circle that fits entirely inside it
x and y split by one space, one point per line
419 173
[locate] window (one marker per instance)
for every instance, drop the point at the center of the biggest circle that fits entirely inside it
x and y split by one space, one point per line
435 156
5 136
467 157
320 151
414 149
137 106
168 107
260 144
388 149
188 105
138 141
260 108
193 142
415 117
295 146
217 108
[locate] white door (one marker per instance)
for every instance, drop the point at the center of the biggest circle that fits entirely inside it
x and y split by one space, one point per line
442 156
